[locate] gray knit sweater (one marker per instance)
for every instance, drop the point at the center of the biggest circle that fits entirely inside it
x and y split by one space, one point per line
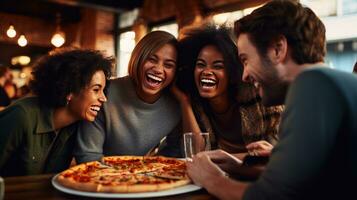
127 125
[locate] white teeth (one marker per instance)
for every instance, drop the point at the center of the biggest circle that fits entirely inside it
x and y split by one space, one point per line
256 84
154 77
208 81
207 86
95 108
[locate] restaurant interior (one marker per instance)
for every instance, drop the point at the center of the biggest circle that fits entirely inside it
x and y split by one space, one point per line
30 29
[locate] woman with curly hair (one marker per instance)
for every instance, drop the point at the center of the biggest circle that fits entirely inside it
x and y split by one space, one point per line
38 132
140 111
218 101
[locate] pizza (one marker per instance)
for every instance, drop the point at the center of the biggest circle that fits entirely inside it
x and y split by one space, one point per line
126 174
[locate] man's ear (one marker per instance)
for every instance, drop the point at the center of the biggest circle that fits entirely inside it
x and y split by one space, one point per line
279 50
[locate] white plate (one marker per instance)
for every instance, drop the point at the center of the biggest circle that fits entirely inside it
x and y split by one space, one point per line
174 191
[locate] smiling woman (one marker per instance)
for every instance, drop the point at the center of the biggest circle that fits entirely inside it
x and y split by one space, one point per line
216 99
37 133
140 111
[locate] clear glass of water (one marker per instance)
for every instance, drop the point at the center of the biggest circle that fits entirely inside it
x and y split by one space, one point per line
195 143
2 188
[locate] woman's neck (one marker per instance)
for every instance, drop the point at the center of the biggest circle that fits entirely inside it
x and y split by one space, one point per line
147 98
220 104
62 117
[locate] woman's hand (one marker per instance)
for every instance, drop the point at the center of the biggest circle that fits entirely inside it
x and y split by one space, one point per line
260 148
180 95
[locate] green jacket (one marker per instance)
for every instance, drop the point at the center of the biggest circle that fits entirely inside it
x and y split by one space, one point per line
29 143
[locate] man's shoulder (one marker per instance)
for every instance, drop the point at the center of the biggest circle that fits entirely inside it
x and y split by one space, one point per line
319 81
318 76
326 72
340 79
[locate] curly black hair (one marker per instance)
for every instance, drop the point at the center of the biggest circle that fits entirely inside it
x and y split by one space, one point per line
193 41
64 71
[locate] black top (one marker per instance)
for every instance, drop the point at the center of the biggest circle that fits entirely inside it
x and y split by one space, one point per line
316 156
4 98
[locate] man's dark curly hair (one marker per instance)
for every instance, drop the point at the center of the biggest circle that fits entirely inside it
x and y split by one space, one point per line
65 71
193 41
304 31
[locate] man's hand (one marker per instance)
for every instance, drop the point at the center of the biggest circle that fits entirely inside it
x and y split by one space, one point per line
260 148
202 170
224 160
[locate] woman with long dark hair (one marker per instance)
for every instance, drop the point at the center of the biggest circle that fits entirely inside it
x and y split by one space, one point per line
218 101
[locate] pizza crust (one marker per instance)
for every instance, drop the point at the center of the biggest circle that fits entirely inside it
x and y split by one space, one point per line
125 174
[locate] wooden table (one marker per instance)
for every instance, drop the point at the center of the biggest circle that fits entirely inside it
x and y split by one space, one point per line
39 187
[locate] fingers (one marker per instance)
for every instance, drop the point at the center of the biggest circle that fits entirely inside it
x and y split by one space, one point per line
264 153
205 160
179 95
220 156
259 148
217 155
259 145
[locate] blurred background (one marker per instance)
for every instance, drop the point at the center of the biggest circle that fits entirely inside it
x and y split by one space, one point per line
31 28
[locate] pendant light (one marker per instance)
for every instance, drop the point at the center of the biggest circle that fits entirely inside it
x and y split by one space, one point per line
59 37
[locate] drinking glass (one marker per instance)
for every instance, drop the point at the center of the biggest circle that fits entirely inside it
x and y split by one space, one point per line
2 188
195 143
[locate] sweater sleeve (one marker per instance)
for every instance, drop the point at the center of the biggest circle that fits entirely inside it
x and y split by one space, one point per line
90 140
314 111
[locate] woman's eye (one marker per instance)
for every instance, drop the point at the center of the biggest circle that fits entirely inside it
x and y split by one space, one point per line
151 59
169 66
200 64
218 66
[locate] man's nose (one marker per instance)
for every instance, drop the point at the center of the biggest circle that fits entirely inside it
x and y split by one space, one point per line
245 76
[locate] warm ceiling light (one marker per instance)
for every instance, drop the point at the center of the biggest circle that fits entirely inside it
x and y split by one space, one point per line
22 41
20 60
11 33
58 39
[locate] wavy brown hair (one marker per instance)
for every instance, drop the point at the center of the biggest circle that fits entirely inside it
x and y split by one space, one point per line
304 31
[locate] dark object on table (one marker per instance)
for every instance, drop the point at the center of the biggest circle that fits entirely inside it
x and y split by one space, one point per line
255 160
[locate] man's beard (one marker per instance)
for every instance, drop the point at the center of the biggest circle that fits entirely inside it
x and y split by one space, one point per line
275 89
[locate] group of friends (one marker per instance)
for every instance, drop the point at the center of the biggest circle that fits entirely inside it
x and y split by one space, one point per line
232 86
